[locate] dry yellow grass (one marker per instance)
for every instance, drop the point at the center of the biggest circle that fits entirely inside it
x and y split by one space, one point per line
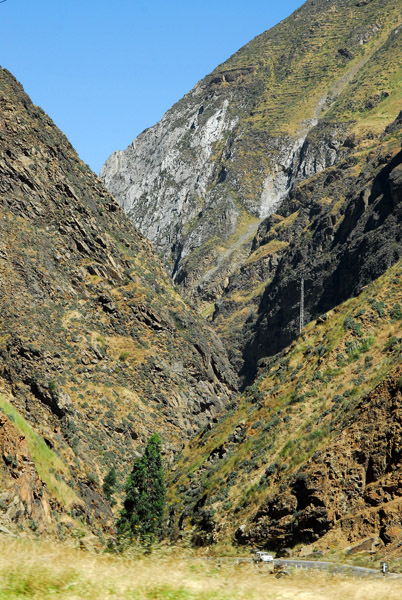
273 247
45 571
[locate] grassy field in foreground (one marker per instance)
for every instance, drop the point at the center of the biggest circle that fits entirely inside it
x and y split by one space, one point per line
51 571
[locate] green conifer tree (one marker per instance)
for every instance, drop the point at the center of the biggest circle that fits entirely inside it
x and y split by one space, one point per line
144 505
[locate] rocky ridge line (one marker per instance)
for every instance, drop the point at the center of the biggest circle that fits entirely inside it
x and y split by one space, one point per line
225 156
97 349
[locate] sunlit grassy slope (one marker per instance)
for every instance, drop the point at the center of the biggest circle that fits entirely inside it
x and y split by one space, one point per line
302 400
315 54
44 572
50 467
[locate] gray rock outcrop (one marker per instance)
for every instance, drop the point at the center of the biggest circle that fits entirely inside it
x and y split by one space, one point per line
223 158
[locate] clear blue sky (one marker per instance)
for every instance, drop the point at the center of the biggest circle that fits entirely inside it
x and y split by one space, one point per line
106 70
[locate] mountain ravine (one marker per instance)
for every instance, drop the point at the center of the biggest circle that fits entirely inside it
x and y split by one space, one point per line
254 177
311 457
283 165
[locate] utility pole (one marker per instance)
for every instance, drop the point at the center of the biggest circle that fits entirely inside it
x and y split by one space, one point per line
301 304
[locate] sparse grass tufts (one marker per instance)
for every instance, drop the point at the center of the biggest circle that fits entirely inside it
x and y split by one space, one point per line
49 466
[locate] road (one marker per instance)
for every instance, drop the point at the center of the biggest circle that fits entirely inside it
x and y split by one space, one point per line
316 564
332 567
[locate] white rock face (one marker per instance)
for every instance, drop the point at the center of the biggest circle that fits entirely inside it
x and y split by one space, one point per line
299 159
278 183
162 179
183 182
231 150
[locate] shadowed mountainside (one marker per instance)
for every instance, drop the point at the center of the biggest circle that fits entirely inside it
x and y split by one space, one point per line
97 349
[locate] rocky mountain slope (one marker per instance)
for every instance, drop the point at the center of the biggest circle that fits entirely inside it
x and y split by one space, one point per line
283 163
97 349
311 457
337 231
291 103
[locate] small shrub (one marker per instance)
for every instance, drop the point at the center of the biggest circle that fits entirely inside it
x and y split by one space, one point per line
33 526
11 461
109 483
378 307
317 375
271 469
396 312
368 361
350 324
340 359
391 344
52 386
295 398
358 380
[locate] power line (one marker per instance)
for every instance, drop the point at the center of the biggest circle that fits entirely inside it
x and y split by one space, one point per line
301 304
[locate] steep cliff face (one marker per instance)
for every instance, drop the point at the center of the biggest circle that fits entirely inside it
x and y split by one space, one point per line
288 105
312 453
337 232
350 490
97 350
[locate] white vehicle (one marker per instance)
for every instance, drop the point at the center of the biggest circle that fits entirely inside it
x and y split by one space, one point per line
263 556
